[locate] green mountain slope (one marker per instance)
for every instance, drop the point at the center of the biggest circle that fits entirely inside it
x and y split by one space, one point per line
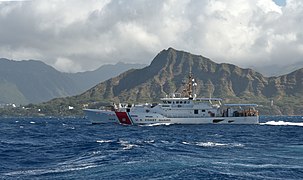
23 82
11 92
170 68
88 79
32 81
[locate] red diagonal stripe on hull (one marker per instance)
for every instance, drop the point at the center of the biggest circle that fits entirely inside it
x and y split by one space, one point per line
123 118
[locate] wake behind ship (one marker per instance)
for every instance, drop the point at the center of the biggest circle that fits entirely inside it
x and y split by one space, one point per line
178 108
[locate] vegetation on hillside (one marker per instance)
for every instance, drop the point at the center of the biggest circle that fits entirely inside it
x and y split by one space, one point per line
166 74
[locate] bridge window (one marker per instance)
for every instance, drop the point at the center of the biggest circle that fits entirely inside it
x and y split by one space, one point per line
196 111
203 110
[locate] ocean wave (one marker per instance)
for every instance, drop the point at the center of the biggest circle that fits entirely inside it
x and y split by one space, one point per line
98 153
210 144
261 166
127 145
282 123
51 170
19 142
213 144
186 143
149 141
104 141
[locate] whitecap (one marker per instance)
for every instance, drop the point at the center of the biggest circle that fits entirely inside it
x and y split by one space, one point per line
214 144
149 141
156 124
237 145
127 145
98 153
282 123
104 141
210 144
32 122
184 142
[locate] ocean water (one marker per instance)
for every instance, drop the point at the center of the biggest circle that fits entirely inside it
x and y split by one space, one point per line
72 148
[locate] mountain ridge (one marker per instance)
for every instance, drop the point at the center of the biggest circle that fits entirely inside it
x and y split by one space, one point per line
88 79
278 70
170 68
166 73
32 81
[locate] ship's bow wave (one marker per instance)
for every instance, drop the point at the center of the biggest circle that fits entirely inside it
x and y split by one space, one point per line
282 123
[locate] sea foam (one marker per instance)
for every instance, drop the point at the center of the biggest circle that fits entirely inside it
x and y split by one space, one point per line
156 124
282 123
213 144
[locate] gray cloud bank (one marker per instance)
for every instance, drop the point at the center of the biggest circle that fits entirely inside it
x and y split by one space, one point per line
82 35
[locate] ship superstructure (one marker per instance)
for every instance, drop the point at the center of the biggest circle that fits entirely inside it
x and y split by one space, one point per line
179 108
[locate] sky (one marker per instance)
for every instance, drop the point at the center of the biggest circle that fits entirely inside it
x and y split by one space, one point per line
81 35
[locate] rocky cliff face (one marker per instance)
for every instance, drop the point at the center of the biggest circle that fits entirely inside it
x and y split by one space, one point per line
170 68
168 71
290 84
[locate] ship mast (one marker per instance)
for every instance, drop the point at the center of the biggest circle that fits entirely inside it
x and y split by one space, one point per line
188 90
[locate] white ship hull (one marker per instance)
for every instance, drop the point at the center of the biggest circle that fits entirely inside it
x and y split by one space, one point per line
194 120
102 116
178 109
97 116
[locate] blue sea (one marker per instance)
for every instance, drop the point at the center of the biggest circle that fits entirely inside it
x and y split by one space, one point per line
73 148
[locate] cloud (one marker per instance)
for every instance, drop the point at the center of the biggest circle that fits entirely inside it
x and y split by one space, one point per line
82 35
63 64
